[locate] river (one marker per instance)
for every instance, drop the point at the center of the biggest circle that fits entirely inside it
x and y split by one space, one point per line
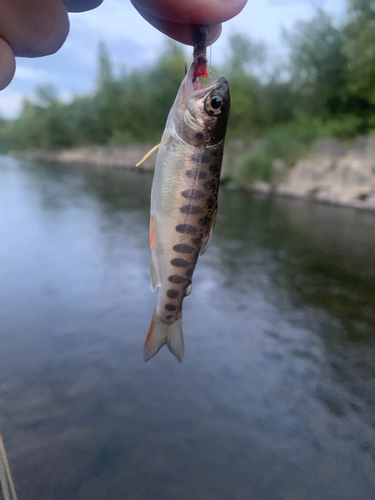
275 398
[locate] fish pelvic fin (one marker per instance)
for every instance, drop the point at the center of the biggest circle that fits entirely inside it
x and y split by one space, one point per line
160 334
154 276
155 148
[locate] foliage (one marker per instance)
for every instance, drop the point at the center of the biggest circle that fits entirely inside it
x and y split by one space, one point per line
287 142
318 64
359 48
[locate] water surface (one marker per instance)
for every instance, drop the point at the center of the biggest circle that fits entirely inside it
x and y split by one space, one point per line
275 399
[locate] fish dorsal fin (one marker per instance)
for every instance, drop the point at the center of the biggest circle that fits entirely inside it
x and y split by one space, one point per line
210 230
155 148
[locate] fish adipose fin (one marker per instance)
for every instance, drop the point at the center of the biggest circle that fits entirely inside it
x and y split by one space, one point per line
160 334
210 231
155 148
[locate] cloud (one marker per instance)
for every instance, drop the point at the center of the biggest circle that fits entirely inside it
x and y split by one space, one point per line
10 103
32 74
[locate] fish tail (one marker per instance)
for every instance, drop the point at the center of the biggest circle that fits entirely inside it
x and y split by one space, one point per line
160 334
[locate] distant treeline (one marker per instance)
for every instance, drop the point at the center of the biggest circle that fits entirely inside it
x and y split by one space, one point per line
326 86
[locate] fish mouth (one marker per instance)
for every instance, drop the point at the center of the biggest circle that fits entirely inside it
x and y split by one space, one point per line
196 89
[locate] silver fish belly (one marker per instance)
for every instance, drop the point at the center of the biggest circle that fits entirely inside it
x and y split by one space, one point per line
184 202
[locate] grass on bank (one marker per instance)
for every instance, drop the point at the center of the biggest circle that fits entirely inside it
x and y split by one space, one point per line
281 147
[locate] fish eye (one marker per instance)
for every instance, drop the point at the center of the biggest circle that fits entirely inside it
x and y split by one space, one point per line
214 104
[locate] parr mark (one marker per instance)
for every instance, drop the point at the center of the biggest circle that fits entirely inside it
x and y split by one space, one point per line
180 263
186 229
170 307
191 209
196 174
183 248
193 194
175 278
172 294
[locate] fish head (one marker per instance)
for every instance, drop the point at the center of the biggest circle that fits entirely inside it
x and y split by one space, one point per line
201 112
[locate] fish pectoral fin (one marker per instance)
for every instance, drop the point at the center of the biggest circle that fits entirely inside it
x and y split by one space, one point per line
155 148
188 290
210 230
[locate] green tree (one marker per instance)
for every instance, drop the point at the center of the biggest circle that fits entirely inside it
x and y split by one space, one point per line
359 48
245 53
318 65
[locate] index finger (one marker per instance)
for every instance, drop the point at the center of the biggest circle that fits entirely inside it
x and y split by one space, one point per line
176 18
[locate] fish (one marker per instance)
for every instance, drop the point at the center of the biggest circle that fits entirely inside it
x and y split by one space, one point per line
184 200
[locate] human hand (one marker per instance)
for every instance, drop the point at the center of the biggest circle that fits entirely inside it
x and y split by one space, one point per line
34 28
176 18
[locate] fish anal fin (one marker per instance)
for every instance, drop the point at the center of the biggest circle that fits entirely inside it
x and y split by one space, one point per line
210 230
155 148
151 344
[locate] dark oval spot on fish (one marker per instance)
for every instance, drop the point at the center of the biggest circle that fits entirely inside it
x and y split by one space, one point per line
191 209
199 136
197 241
211 202
215 169
170 307
186 229
172 294
196 174
193 194
180 262
175 278
204 221
183 248
200 158
169 316
210 185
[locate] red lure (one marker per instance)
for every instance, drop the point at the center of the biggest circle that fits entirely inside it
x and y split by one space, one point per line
200 69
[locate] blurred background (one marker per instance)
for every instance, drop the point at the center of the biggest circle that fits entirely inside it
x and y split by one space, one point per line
275 399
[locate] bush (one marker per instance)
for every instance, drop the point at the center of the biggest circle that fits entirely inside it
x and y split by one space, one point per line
287 142
257 165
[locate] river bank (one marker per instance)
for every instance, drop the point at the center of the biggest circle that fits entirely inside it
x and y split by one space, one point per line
334 174
330 173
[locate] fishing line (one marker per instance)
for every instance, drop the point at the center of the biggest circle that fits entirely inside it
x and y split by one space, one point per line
6 480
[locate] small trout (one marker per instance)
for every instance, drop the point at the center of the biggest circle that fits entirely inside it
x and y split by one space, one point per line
184 201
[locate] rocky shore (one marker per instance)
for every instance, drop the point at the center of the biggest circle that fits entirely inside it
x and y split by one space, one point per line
331 173
334 174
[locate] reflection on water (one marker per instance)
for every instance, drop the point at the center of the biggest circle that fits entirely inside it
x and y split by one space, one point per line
276 396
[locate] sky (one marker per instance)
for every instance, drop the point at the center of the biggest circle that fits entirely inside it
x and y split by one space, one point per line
132 42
